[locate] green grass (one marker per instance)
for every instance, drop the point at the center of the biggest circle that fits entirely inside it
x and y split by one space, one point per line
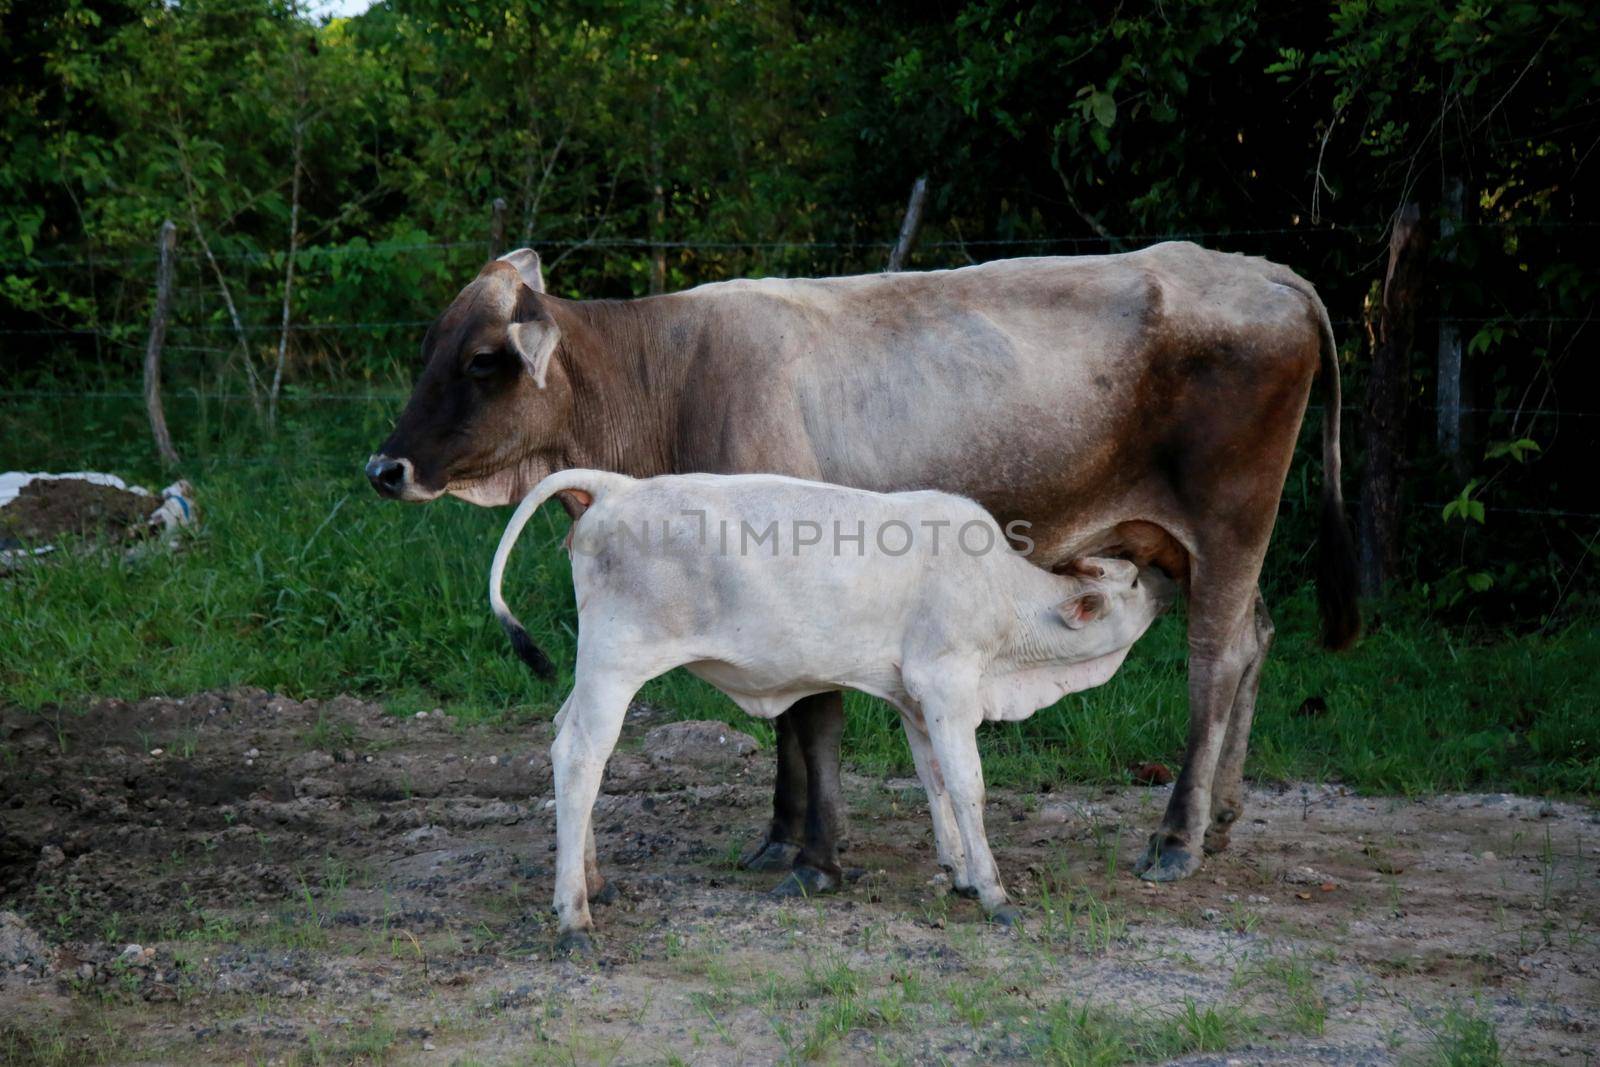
304 582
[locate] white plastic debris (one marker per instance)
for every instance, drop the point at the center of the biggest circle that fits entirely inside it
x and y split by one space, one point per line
175 511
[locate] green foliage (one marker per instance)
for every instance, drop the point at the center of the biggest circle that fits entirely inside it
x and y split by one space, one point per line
767 137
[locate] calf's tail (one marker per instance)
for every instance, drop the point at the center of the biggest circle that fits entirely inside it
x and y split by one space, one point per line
1336 552
588 484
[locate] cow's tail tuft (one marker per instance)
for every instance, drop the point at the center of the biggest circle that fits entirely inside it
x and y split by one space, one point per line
593 484
1337 582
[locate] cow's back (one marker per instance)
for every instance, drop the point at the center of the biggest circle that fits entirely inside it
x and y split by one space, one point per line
1048 389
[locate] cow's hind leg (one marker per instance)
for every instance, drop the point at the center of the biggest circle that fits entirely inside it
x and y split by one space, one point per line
819 721
1227 788
1222 644
777 848
591 722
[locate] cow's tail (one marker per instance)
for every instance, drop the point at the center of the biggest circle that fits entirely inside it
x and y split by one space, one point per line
1336 551
591 485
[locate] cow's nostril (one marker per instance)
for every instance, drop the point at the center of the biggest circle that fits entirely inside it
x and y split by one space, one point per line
388 476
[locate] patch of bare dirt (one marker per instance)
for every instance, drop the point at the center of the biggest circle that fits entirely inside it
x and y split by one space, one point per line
47 508
238 876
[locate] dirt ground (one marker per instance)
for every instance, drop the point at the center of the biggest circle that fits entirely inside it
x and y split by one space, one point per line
238 877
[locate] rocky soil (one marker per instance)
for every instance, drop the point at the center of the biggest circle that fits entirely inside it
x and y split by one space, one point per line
239 877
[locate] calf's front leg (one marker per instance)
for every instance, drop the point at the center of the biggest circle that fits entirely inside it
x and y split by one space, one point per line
591 723
953 731
946 837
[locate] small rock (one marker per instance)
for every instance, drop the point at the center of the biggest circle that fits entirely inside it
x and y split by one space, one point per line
1210 915
20 947
157 751
1304 876
51 857
131 953
1486 856
252 753
422 715
494 761
427 1046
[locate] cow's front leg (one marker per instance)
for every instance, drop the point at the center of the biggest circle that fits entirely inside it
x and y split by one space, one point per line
777 848
1219 651
1227 788
591 722
819 722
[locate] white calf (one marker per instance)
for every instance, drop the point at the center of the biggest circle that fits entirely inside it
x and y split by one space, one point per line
773 588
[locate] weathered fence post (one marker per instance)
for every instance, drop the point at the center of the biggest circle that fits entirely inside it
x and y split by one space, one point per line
497 227
166 242
1391 327
1449 380
910 225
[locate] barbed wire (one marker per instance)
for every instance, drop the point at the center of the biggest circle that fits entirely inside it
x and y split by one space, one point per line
58 256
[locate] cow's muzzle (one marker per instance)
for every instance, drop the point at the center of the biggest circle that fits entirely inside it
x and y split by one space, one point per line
392 478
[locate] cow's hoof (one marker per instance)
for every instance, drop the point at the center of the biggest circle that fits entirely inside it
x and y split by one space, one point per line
767 855
575 944
1166 860
806 882
1007 915
1216 841
606 894
967 891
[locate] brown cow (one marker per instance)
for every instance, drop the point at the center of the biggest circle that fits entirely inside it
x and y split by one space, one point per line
1144 405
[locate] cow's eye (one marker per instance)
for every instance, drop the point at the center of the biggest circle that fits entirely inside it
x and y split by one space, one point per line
486 364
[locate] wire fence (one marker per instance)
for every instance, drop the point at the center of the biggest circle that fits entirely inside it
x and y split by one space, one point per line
203 310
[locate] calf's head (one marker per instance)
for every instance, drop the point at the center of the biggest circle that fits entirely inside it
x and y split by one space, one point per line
487 414
1110 604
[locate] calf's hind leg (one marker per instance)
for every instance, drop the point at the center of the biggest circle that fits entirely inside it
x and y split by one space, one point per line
591 722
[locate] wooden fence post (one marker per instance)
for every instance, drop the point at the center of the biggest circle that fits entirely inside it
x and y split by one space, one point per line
497 227
1391 326
1449 379
166 242
910 225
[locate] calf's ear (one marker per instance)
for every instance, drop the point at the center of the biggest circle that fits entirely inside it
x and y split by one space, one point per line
1080 609
526 260
535 342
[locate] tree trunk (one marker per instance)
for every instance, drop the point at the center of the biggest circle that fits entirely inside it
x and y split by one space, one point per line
166 243
1391 327
288 274
910 226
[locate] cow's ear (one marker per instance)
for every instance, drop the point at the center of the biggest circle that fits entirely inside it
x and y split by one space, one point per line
526 260
1080 609
535 342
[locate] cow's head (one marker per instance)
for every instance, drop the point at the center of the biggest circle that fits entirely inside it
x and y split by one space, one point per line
492 403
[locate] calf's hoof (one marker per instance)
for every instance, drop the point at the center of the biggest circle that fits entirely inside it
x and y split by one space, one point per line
1167 859
575 943
606 894
768 855
1220 830
1007 915
806 882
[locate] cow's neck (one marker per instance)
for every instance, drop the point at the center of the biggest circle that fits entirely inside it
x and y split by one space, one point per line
626 378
